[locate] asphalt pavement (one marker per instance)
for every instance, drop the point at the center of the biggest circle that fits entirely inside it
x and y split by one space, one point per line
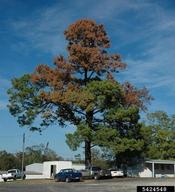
109 185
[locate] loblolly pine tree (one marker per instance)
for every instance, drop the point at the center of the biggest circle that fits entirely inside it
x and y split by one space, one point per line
80 90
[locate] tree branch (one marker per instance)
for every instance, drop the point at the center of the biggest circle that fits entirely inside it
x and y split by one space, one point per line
91 75
80 112
93 145
97 111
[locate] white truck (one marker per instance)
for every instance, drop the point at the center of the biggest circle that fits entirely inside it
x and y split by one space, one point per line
13 174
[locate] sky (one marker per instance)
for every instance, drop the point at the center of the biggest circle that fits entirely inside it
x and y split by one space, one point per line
31 33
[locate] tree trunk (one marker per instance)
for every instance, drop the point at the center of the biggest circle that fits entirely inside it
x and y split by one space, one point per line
89 118
87 154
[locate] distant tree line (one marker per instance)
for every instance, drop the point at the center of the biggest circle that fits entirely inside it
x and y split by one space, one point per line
33 154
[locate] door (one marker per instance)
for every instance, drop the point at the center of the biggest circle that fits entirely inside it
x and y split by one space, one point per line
52 170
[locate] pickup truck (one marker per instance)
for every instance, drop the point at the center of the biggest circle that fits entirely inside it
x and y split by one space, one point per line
13 174
68 175
96 173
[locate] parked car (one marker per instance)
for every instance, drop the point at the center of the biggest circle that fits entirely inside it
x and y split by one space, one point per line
68 175
117 172
13 174
96 173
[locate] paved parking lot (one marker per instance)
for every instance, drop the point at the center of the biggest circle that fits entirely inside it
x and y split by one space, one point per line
110 185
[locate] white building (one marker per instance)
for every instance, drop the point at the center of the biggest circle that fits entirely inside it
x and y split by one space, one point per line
35 168
49 168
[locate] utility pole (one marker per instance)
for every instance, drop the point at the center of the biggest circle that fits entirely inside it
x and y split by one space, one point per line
45 151
23 147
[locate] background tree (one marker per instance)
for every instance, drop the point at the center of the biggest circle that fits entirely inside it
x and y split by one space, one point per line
80 90
8 161
33 154
101 158
39 154
162 135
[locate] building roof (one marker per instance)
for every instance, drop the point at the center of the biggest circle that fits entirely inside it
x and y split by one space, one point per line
161 161
34 164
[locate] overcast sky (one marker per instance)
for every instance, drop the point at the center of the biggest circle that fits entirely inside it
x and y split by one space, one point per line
31 33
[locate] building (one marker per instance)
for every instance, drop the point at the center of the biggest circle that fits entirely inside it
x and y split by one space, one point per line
153 168
35 168
49 168
159 168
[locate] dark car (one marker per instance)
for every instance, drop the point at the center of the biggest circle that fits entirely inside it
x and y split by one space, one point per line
68 175
99 173
96 173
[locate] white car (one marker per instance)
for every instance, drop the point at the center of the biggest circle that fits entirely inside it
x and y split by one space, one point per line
116 173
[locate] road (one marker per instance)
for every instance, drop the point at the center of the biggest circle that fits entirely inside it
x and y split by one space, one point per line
110 185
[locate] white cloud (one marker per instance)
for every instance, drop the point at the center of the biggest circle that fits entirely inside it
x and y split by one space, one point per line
153 65
157 68
44 28
144 26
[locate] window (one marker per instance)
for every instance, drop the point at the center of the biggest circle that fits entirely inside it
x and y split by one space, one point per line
168 167
96 168
12 171
162 167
